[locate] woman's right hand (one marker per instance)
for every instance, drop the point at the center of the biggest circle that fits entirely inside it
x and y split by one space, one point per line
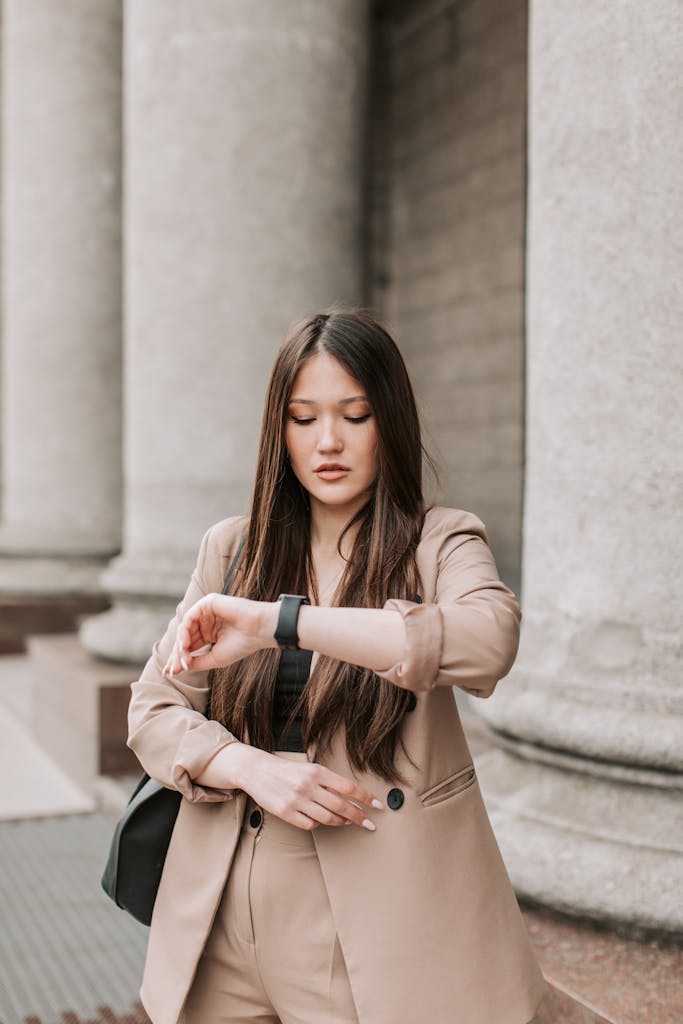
303 793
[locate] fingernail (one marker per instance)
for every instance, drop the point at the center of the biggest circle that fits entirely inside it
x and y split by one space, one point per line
366 823
378 804
184 664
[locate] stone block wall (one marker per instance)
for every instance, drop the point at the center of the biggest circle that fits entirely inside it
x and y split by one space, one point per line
447 239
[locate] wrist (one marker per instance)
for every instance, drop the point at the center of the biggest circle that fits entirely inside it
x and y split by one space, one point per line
268 615
246 765
233 766
287 631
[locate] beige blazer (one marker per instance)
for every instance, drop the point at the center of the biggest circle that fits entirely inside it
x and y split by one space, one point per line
427 919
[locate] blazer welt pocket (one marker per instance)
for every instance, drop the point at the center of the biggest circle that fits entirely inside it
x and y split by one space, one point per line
448 787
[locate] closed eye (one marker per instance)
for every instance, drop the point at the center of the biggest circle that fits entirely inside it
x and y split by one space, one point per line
351 419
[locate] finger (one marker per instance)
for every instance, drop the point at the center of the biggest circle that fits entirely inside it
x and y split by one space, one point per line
205 649
349 810
201 662
176 660
342 807
323 814
193 634
348 788
179 658
170 663
302 820
171 668
182 637
180 661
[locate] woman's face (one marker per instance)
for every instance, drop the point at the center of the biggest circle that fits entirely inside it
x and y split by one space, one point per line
331 435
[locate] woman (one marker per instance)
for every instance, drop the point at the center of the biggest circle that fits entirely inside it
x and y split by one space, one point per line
333 861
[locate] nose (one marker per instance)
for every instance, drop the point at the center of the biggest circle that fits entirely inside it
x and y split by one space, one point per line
329 439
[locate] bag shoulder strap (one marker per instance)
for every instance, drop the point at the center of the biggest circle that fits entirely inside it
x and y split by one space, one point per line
233 566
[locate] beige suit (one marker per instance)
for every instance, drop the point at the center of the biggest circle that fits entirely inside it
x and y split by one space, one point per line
427 919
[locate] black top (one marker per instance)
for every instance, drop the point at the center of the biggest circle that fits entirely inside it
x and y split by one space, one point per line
293 672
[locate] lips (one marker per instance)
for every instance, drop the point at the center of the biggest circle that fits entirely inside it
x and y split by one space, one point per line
332 467
332 471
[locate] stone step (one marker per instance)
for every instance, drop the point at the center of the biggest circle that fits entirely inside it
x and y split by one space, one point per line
597 976
23 615
35 786
560 1007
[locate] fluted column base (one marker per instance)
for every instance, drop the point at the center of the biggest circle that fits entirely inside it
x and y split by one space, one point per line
42 576
35 561
127 632
145 589
609 849
632 729
49 580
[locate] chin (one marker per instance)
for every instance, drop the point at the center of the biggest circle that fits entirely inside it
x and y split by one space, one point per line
339 499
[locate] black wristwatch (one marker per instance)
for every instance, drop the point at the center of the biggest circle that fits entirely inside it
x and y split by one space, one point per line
285 631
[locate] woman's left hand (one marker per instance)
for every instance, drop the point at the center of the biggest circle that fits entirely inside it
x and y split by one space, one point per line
234 626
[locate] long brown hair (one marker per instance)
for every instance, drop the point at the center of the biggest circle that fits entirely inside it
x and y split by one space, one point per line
277 554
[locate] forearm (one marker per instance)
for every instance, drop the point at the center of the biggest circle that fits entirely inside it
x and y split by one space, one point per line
373 638
369 637
231 767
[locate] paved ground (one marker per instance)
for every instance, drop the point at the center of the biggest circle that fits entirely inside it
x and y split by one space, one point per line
67 955
66 952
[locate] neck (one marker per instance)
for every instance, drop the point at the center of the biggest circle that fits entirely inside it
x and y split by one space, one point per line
327 524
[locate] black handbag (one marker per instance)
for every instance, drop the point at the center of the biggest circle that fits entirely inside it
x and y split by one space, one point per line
141 838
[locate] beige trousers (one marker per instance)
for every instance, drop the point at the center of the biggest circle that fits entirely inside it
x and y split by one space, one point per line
273 954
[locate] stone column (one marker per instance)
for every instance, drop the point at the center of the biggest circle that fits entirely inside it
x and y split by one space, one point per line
2 319
61 292
585 793
244 128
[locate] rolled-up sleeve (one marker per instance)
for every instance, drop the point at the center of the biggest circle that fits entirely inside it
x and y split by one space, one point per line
419 667
469 635
167 728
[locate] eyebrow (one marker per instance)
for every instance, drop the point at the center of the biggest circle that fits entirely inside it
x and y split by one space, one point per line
344 401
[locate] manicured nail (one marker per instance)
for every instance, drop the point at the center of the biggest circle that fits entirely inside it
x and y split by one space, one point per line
184 664
378 804
366 823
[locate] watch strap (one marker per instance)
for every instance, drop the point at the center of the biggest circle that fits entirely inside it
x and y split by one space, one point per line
285 631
